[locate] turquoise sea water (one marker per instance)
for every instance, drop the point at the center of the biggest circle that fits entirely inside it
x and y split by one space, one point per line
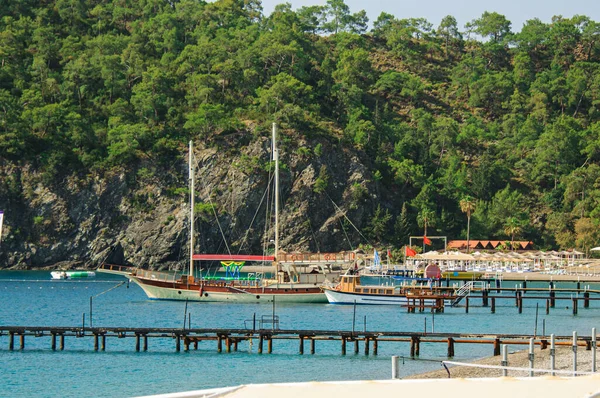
33 299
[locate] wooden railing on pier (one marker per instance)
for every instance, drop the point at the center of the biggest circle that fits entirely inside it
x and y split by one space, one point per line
230 338
340 258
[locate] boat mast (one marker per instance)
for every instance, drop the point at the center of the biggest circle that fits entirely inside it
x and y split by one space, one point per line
191 178
276 160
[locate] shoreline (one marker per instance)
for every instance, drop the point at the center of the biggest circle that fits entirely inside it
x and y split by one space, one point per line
505 276
519 359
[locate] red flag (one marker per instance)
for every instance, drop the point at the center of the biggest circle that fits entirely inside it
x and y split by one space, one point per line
410 252
426 240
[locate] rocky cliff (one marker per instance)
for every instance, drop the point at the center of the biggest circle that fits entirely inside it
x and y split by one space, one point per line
140 216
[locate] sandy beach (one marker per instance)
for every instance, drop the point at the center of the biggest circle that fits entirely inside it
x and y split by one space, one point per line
519 359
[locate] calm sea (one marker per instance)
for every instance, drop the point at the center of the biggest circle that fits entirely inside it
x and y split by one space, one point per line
33 299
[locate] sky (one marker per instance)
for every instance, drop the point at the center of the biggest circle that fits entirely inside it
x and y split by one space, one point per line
516 11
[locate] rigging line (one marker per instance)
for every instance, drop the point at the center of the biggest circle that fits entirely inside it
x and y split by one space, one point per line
344 214
109 252
255 215
346 235
213 210
312 232
108 290
265 240
267 214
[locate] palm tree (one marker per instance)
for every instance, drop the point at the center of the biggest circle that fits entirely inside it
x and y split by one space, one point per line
425 217
467 205
513 227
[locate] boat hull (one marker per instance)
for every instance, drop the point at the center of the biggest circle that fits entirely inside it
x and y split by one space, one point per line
337 297
283 294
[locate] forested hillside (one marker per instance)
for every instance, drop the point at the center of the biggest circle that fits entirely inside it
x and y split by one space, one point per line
405 124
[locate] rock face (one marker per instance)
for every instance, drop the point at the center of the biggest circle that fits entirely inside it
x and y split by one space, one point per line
140 216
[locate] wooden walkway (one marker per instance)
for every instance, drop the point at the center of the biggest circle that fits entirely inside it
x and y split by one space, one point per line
228 339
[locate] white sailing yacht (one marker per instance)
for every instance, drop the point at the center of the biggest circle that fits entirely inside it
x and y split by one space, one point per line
290 286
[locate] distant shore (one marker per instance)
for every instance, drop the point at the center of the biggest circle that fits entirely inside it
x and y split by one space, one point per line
572 274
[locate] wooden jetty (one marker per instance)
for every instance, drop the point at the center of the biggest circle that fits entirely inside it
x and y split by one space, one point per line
444 296
229 339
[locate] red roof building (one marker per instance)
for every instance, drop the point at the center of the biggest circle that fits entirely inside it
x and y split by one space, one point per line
488 244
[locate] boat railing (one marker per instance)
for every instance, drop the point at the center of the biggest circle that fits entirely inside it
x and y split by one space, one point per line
161 276
115 269
327 284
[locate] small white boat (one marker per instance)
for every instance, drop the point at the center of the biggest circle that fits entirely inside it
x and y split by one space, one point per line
72 274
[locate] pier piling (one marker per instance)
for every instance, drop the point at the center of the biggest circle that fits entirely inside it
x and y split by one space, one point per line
574 354
395 367
497 344
531 356
343 345
414 346
53 341
520 304
594 348
312 345
450 347
504 359
552 354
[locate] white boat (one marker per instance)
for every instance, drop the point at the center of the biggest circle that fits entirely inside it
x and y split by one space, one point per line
72 274
289 285
350 291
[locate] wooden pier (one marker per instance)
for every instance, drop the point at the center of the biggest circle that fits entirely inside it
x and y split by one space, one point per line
446 296
228 340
